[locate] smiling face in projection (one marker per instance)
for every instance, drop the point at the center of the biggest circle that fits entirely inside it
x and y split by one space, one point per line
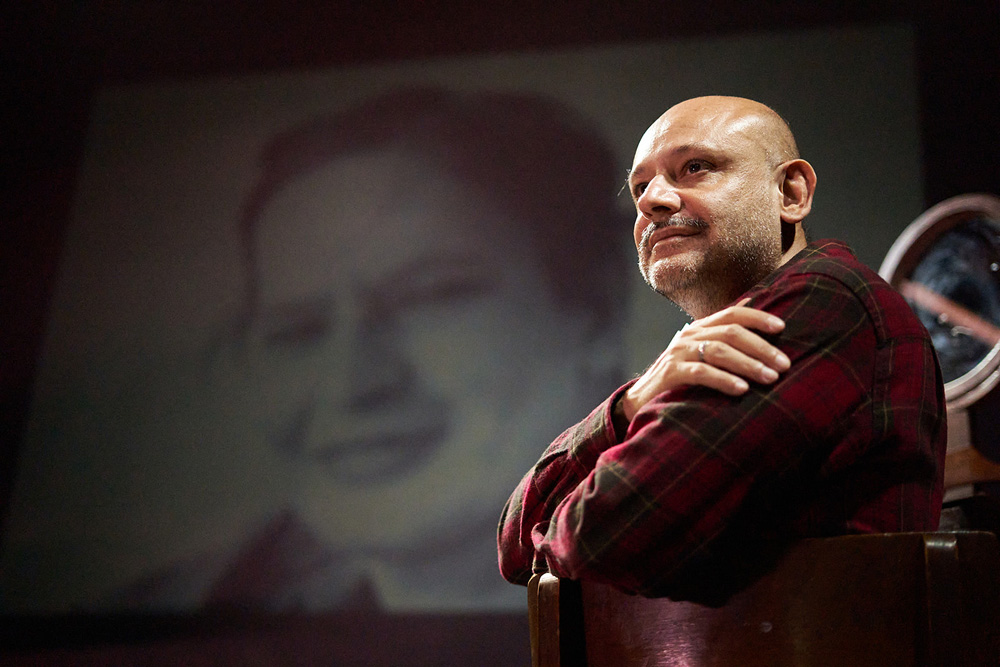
410 358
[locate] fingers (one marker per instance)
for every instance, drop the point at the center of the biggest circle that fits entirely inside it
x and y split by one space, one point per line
750 318
707 375
740 350
735 328
735 363
725 351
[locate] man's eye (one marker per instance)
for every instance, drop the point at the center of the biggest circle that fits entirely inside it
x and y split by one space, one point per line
296 332
444 289
292 325
694 166
437 284
639 189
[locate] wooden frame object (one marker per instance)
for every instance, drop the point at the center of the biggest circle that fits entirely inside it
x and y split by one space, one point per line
914 599
970 397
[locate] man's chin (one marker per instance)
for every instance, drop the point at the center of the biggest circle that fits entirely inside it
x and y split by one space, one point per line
669 277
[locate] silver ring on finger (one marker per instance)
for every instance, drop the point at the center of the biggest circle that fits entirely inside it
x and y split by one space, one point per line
701 351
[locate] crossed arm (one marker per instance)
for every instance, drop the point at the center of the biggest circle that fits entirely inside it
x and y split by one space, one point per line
721 414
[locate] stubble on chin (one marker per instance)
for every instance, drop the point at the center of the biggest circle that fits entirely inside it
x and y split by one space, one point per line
666 275
674 278
657 274
705 281
683 286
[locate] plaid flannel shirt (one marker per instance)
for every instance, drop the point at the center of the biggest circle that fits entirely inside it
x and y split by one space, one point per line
850 439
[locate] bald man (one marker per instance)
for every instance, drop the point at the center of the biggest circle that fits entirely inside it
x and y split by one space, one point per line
803 400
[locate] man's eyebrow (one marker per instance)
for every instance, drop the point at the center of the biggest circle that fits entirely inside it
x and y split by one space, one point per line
674 152
633 171
677 151
451 263
693 147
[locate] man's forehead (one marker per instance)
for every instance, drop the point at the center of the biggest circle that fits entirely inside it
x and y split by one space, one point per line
716 132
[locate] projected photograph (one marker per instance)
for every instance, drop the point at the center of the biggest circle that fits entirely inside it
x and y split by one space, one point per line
310 328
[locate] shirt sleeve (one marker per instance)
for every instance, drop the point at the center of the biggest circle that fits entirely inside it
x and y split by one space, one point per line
565 464
632 513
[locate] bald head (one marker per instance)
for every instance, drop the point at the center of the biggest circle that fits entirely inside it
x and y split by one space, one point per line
718 116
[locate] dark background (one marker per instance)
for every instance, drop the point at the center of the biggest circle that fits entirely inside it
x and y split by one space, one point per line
55 55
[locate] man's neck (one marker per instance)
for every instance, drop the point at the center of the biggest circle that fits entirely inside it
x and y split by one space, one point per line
797 245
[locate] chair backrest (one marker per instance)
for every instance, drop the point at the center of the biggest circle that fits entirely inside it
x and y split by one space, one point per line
914 599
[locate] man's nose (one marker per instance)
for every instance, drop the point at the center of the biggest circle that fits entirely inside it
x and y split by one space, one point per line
369 370
659 200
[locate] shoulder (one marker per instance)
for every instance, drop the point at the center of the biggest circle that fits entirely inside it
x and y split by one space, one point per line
827 278
834 260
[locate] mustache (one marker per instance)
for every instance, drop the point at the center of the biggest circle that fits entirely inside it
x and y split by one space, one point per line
695 223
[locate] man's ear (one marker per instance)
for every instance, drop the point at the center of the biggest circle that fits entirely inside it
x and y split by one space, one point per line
798 182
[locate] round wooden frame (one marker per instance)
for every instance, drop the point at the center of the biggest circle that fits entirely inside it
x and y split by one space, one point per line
907 251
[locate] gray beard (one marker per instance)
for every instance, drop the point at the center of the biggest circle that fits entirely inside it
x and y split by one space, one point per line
728 271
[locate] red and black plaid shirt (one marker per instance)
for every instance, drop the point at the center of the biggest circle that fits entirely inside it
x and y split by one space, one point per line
850 439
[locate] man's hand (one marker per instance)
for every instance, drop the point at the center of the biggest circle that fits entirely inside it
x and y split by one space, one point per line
720 351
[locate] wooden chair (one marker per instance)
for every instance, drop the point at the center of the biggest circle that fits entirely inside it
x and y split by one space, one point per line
914 599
